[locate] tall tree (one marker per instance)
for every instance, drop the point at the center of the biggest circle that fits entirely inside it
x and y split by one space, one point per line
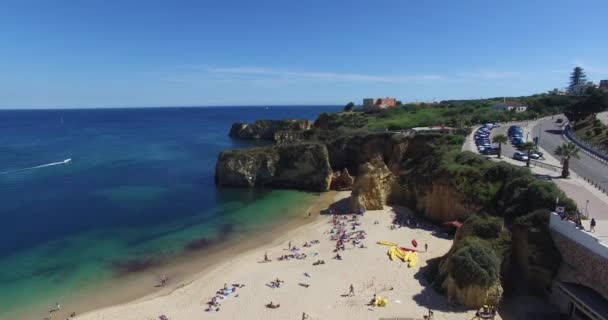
349 106
500 139
528 147
577 76
567 151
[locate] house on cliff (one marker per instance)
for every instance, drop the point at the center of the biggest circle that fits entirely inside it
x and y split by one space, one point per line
377 104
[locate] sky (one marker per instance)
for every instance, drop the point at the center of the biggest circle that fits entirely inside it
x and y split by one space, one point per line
128 53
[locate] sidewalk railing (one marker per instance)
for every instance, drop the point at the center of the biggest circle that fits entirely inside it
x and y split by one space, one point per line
543 165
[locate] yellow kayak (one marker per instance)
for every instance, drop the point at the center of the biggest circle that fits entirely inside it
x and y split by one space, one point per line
413 261
392 252
386 243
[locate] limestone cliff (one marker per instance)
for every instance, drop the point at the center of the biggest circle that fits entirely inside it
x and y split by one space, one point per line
373 186
266 129
302 166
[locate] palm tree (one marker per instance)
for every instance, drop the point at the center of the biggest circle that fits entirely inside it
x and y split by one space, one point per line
500 139
567 151
528 147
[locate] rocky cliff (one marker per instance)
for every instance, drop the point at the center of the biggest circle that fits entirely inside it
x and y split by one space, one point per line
266 129
302 166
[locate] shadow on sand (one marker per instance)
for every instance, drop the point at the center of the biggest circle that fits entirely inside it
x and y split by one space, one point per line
341 206
428 297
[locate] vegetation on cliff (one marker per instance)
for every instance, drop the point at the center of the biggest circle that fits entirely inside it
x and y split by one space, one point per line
454 113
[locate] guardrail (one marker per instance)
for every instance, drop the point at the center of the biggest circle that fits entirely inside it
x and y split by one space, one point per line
587 148
543 165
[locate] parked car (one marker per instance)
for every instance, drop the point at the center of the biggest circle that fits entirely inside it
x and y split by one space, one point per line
520 156
489 126
536 155
497 125
490 151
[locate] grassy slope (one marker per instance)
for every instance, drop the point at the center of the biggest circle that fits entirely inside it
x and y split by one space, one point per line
461 113
593 131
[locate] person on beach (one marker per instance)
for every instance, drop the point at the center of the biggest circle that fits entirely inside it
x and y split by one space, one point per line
351 291
266 257
289 245
426 247
592 224
163 280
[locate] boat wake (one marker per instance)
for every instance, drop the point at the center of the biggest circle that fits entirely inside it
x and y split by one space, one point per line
66 161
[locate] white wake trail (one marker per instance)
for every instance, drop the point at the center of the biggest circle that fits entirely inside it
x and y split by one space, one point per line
66 161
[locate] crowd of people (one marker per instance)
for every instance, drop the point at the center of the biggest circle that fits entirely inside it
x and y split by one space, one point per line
344 230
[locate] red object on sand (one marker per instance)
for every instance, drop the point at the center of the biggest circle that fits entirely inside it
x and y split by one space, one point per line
408 249
414 243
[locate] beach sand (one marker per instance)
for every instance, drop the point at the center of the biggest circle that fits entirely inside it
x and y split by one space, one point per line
369 270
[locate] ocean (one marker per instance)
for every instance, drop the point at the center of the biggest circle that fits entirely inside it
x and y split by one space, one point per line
139 190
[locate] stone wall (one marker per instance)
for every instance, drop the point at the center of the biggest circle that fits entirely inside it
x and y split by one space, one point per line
581 265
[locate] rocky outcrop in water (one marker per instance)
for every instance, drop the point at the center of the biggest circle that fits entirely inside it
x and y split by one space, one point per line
303 166
266 129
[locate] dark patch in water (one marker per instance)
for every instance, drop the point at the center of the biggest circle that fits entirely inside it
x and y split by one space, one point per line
202 243
135 265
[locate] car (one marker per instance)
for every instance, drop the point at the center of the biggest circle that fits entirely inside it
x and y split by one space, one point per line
520 156
496 125
536 155
489 126
490 151
559 120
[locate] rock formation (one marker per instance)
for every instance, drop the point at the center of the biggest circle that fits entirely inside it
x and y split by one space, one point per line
342 180
372 187
302 166
266 129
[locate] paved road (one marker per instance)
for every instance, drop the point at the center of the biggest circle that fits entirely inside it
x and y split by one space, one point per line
586 167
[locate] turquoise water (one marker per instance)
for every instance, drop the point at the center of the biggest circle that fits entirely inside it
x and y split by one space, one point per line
138 192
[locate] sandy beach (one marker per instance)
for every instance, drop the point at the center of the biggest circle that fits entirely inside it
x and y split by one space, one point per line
323 294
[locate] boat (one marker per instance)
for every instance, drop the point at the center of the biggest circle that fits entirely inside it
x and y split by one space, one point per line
68 160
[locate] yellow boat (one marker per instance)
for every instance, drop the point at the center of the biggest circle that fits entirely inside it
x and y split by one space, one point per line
386 243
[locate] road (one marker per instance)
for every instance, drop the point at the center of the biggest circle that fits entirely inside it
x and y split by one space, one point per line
585 195
586 167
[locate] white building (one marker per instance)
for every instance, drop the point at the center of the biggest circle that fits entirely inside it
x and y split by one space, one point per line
510 105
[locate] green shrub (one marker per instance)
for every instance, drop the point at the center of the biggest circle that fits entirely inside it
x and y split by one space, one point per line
474 263
537 219
485 227
598 131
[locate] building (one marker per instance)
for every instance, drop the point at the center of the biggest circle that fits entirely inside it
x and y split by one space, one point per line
604 84
581 89
557 92
509 106
379 103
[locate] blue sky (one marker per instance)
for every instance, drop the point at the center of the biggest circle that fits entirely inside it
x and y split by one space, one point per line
110 53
